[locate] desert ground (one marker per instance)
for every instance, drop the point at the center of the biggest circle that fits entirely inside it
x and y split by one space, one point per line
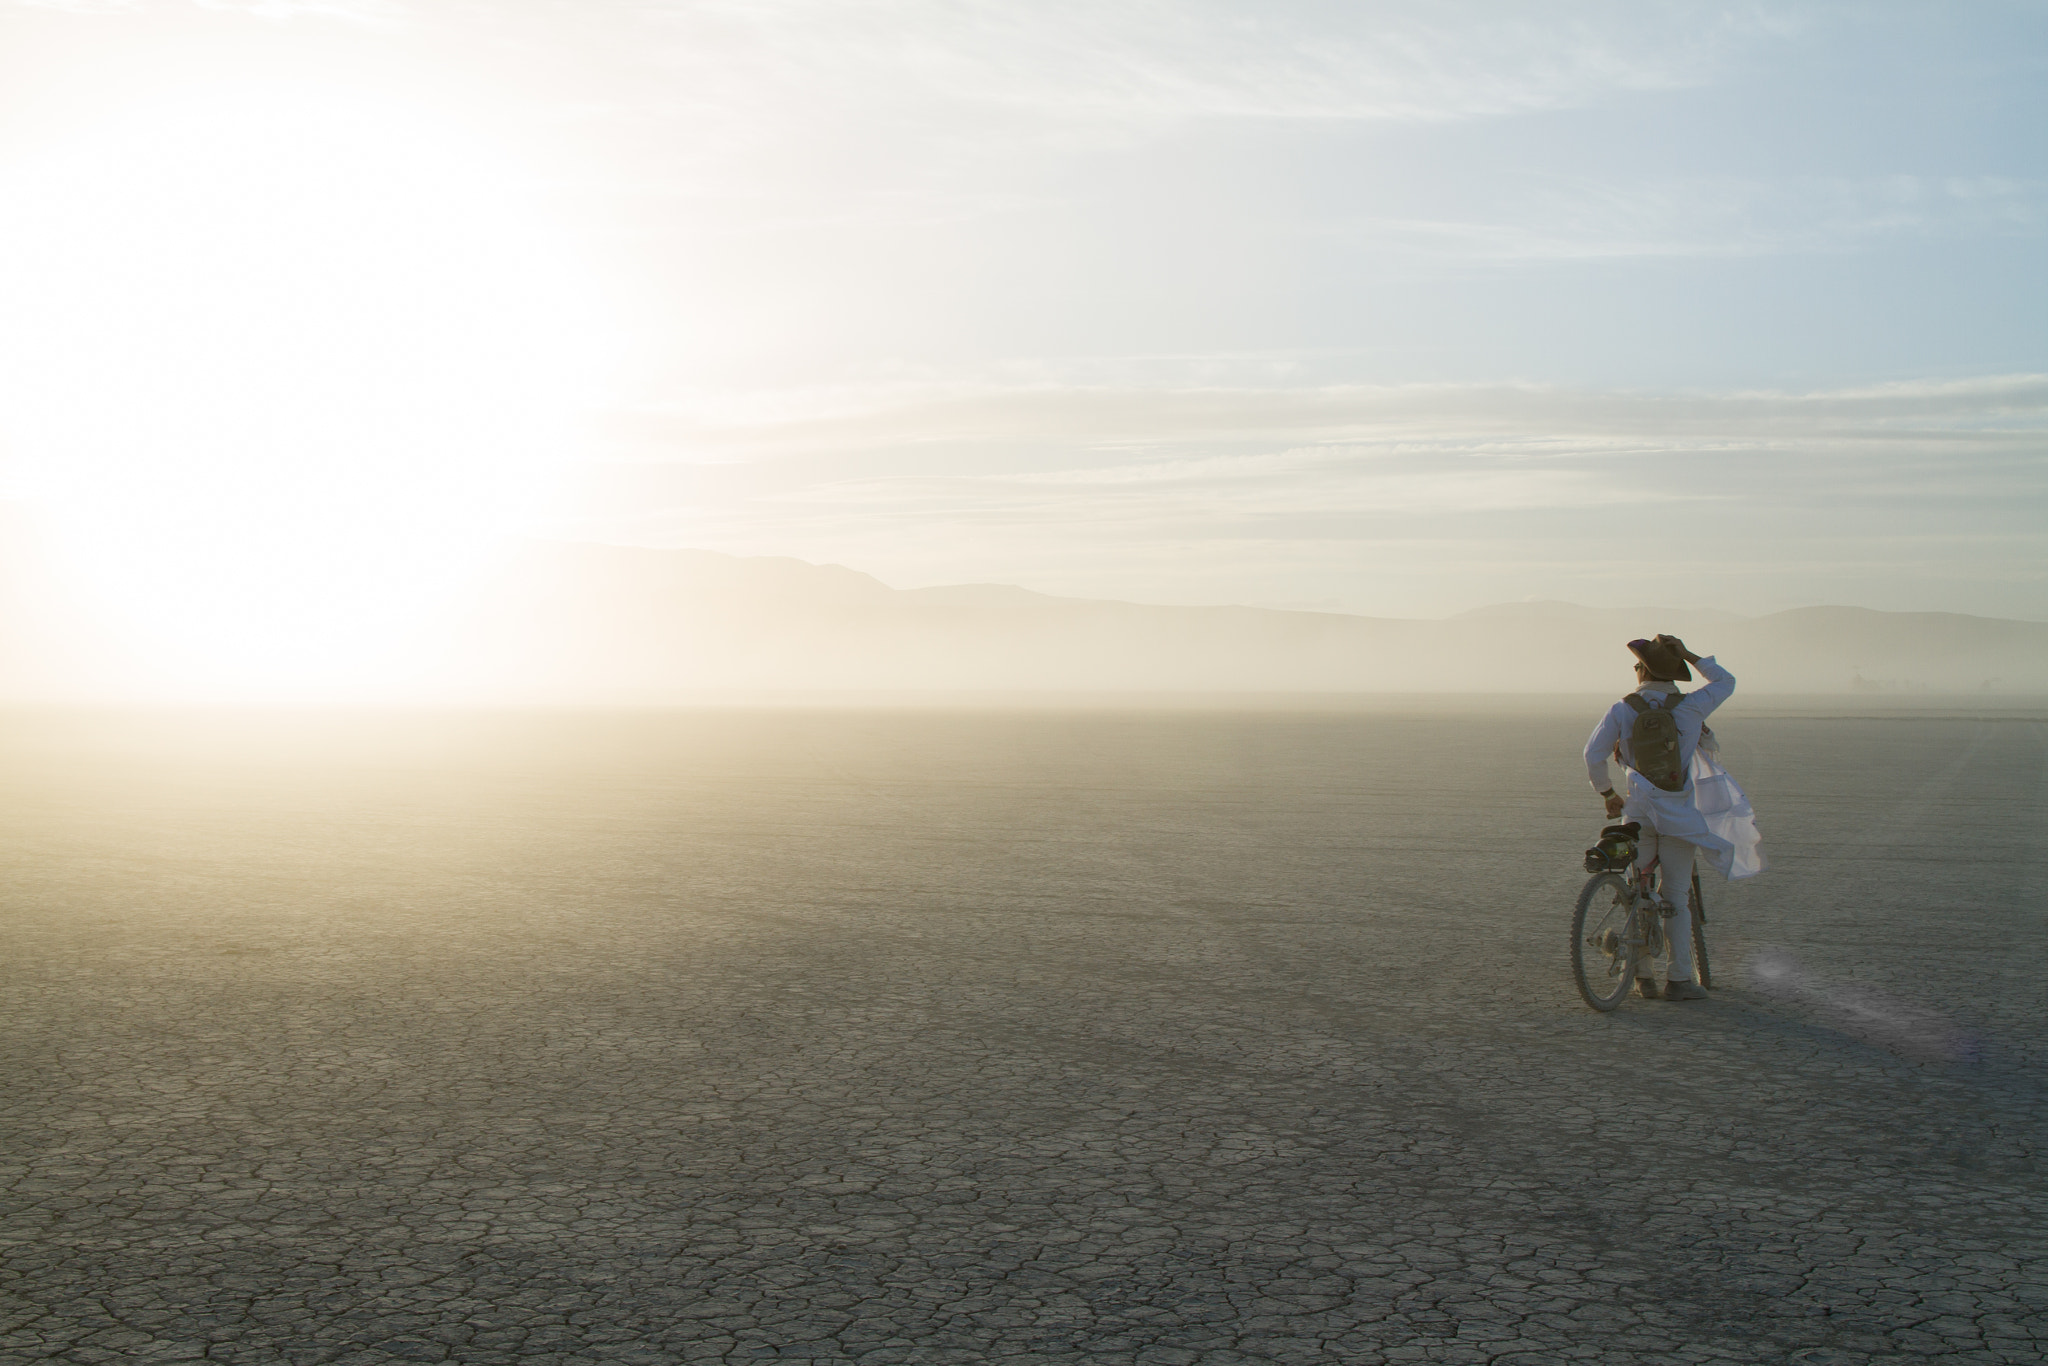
896 1036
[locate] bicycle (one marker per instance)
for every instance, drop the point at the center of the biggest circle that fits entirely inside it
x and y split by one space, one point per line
1617 936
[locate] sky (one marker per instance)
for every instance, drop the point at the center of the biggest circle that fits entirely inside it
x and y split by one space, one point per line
1399 309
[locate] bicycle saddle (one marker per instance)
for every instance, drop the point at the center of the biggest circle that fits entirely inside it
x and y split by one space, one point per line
1622 832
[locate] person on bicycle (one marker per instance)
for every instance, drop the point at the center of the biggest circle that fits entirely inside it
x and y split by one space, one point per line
1674 832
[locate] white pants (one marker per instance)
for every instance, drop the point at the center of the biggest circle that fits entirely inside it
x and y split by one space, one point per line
1674 860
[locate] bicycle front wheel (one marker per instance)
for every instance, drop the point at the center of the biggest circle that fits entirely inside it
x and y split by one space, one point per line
1699 933
1601 956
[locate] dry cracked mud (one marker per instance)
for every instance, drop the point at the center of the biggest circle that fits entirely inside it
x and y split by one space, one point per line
953 1037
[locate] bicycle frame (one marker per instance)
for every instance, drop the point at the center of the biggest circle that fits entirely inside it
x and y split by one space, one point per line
1644 932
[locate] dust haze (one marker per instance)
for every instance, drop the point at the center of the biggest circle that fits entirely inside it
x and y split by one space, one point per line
901 683
577 624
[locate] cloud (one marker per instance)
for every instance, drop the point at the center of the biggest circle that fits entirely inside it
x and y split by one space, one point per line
81 6
1087 62
358 11
788 110
1107 418
1397 498
1150 60
1723 217
784 114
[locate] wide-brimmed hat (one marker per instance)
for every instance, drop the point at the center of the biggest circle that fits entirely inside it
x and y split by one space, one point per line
1660 656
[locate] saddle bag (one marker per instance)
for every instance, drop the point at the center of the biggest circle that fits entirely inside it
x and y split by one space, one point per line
1616 849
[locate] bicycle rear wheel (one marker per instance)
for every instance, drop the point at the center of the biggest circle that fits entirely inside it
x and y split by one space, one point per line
1601 956
1699 933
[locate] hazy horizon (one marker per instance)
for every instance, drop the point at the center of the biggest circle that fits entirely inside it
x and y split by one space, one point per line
587 624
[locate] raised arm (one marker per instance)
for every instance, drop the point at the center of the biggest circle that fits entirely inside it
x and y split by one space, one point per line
1720 683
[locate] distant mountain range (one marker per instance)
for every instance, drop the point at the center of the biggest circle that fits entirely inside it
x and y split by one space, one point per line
602 624
622 623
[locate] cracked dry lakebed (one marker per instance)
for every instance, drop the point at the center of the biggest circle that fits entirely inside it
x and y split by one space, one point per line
980 1036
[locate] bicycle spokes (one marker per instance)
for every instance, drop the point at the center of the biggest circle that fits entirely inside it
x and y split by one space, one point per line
1606 940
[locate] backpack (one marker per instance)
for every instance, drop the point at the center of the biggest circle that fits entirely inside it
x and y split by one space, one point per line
1654 741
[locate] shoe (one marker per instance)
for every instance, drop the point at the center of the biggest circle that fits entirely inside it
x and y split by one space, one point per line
1684 991
1649 988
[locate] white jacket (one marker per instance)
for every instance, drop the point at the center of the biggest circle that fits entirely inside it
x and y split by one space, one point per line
1726 813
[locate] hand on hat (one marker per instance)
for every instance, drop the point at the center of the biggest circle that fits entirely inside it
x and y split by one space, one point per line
1677 647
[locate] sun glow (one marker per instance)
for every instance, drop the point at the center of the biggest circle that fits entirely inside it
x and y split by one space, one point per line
282 364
